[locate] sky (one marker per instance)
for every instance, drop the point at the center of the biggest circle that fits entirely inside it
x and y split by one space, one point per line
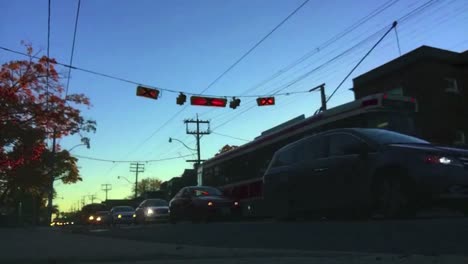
185 45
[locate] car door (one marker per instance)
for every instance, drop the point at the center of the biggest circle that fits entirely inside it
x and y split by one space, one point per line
344 167
310 183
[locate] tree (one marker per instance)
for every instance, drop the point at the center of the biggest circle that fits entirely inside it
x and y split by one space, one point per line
33 110
226 148
148 185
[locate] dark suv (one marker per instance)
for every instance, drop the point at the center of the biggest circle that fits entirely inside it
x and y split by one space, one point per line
361 169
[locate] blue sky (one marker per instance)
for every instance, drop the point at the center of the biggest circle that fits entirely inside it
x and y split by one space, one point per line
185 45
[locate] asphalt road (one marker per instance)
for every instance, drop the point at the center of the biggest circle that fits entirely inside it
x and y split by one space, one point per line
416 236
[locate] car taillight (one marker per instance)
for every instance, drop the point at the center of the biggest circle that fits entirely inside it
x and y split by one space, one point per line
434 159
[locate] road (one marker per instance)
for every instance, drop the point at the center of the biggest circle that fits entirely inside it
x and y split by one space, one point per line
416 236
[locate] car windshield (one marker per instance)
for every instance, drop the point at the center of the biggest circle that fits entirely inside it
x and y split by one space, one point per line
102 213
157 202
382 136
206 191
123 209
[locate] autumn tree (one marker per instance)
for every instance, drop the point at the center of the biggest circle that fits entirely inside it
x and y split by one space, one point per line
33 109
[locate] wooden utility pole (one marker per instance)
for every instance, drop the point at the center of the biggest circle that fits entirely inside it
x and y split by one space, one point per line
50 197
106 188
198 135
92 197
137 167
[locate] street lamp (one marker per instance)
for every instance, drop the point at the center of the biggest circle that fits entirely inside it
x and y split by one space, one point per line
171 139
84 142
122 177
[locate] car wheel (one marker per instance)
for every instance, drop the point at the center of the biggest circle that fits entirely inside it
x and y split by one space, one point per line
391 199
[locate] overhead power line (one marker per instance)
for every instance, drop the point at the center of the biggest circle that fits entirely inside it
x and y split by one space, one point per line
137 83
48 53
130 161
73 47
405 17
228 136
363 58
254 47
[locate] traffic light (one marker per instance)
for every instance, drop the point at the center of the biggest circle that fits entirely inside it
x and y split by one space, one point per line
181 99
262 101
234 103
208 101
147 92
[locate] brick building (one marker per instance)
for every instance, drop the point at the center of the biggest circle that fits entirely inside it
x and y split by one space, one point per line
438 79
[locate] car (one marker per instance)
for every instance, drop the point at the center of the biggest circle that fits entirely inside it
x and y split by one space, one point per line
363 170
122 215
88 213
152 210
201 203
101 218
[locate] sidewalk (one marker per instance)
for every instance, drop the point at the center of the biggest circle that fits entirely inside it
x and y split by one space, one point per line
43 245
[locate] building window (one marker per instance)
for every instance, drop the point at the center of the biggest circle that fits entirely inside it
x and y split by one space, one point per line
459 137
451 85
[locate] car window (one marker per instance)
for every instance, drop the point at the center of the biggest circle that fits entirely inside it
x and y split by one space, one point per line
123 209
156 202
312 148
382 136
343 144
206 191
142 204
284 157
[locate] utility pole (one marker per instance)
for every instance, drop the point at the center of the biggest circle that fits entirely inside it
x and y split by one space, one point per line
50 197
83 200
137 167
198 135
92 197
106 188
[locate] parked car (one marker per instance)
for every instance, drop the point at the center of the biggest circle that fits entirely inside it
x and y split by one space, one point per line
152 210
200 203
364 170
122 215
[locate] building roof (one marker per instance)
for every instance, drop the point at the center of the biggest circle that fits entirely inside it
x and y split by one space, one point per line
419 54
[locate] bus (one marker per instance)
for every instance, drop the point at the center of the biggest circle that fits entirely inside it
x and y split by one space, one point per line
239 172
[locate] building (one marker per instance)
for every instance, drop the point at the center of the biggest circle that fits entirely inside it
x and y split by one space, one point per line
438 80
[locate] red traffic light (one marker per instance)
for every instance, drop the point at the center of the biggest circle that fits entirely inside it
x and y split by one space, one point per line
147 92
262 101
208 101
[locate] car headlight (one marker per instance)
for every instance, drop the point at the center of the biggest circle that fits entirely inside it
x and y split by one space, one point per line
150 211
134 215
98 219
210 204
119 216
52 224
72 223
91 218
